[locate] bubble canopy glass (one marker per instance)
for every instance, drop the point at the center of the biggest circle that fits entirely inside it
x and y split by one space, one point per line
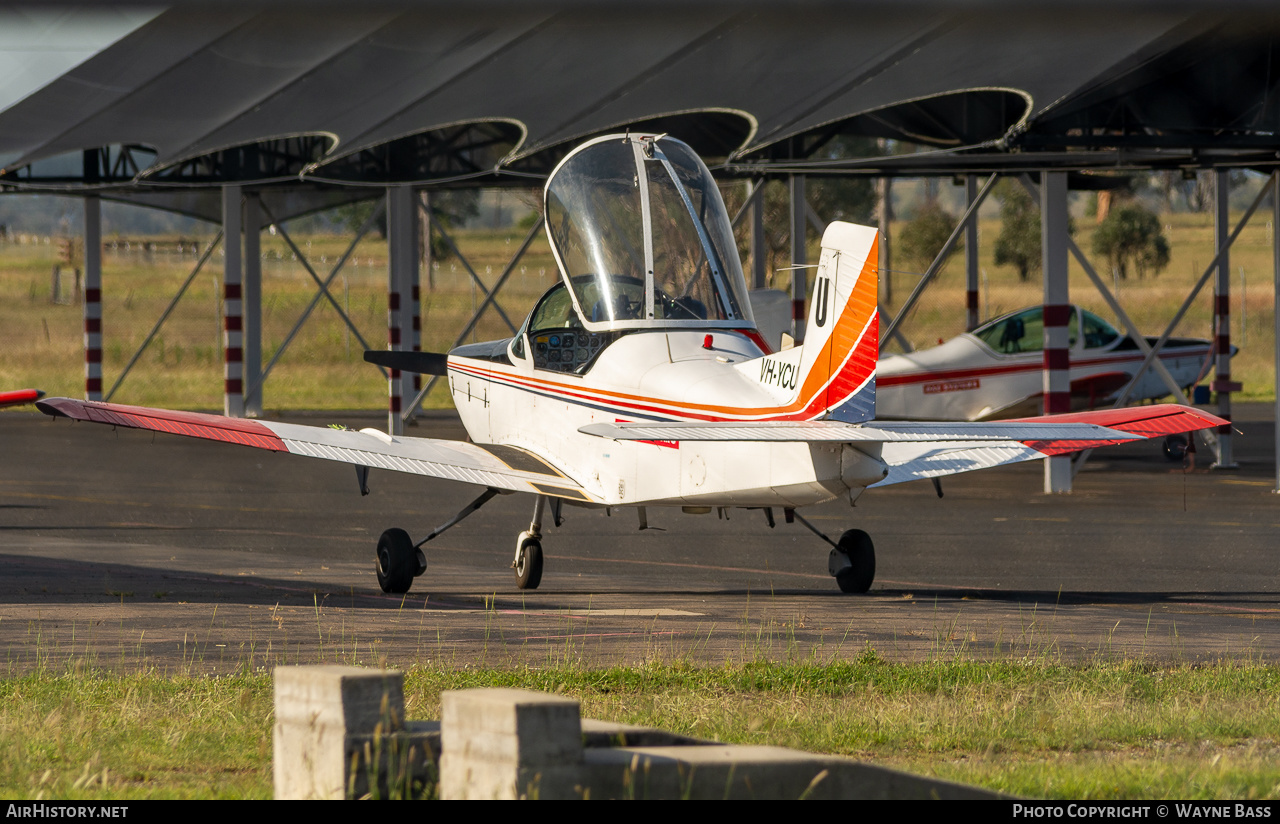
642 238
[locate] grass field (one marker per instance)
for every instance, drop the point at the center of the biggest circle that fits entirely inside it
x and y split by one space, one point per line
1032 728
322 367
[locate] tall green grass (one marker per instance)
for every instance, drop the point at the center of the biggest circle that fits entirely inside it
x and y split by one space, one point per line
1037 728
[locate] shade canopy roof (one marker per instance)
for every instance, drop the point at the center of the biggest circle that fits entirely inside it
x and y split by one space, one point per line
327 95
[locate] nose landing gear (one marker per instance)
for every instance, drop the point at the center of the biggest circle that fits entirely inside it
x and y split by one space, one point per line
528 560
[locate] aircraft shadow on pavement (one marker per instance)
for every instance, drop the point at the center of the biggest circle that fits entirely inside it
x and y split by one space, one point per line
1050 598
52 581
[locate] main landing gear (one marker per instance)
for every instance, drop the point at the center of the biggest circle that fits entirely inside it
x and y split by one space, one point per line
852 561
400 560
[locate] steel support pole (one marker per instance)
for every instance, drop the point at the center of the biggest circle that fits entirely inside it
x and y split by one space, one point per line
1222 384
759 272
232 323
424 237
422 243
253 304
1275 317
799 257
490 298
1057 316
971 256
885 215
402 260
92 298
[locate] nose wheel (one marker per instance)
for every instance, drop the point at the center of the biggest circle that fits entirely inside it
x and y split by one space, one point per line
528 561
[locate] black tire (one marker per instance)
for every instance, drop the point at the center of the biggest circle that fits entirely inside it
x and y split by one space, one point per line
397 561
529 564
857 577
1175 446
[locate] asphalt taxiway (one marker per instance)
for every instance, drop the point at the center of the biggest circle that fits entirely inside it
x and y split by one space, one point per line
126 549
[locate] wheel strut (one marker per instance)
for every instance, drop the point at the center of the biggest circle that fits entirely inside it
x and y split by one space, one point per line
466 510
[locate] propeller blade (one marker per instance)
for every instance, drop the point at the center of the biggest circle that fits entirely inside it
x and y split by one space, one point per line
418 363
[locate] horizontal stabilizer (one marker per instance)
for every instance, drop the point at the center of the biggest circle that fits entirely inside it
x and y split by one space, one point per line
914 461
417 363
917 450
839 432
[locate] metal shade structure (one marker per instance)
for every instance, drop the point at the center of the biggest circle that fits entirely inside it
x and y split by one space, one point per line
437 93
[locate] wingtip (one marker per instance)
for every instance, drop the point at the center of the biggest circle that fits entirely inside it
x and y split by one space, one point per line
57 407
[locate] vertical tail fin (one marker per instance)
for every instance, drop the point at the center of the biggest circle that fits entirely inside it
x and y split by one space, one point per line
833 373
842 337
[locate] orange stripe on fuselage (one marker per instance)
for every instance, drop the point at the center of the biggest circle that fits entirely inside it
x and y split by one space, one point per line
852 348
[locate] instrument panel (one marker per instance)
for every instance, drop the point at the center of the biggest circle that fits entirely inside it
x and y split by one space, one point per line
567 350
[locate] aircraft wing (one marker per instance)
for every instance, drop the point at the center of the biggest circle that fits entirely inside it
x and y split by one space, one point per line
491 465
17 397
915 451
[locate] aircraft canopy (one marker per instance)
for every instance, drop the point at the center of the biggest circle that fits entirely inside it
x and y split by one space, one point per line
1024 331
642 238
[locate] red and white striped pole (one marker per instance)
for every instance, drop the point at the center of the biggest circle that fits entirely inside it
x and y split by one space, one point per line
1222 384
417 328
1057 316
971 257
92 298
396 400
402 261
232 306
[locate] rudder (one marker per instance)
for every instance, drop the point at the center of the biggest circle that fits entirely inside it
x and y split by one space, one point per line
842 335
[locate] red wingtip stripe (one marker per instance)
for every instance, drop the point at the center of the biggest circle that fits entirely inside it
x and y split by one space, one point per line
1145 421
191 424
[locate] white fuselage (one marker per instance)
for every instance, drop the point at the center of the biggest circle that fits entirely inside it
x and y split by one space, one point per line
964 380
656 375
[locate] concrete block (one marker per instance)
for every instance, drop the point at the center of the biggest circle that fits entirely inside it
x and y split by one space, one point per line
507 744
320 712
340 733
751 772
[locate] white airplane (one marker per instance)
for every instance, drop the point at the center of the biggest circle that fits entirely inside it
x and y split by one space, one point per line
995 370
641 381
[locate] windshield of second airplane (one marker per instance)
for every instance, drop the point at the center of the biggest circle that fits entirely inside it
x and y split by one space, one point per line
641 233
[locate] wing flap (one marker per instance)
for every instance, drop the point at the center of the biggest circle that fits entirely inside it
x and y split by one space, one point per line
501 467
917 461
